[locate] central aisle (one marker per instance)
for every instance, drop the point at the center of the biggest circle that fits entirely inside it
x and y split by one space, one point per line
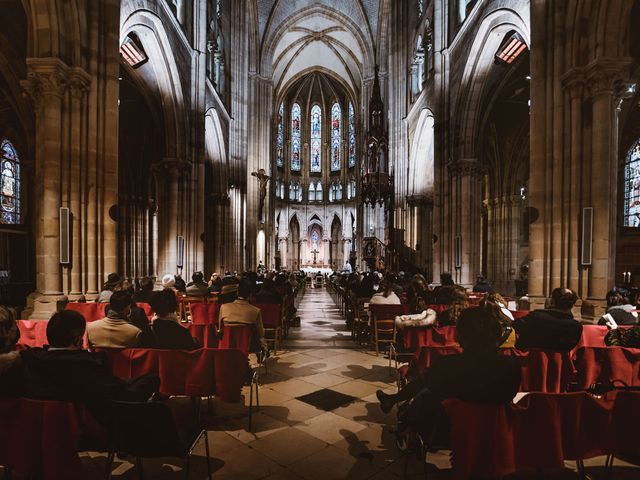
321 323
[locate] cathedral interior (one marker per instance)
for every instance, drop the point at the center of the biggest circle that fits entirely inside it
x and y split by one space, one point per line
495 139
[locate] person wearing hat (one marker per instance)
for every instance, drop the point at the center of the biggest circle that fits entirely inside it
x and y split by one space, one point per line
113 279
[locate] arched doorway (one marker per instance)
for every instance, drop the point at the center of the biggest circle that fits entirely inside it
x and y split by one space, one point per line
336 255
293 261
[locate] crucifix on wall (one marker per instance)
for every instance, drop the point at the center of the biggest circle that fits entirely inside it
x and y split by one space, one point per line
315 254
263 179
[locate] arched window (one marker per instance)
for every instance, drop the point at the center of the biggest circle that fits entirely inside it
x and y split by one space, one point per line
316 138
280 137
632 187
294 192
417 69
295 137
9 184
336 139
352 137
312 192
319 192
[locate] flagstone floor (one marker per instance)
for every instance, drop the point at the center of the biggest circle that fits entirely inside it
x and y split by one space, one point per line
292 439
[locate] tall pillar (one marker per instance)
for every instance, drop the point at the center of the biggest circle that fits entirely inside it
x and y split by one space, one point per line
466 196
47 81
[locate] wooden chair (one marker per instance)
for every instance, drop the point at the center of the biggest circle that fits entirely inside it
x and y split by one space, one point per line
186 302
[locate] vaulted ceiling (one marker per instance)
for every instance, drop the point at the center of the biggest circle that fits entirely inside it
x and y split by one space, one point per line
334 36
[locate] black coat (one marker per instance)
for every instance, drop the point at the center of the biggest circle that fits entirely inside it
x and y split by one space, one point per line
168 335
549 330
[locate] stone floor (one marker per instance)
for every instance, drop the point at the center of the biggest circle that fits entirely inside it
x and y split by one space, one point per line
292 439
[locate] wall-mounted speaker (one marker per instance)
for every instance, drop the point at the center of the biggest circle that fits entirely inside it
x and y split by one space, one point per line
457 254
180 251
65 236
587 236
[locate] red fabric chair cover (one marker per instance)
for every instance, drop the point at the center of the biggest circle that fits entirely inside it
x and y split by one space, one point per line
607 364
543 371
425 356
204 313
147 309
438 308
625 424
187 373
33 333
237 336
207 335
133 362
416 337
381 311
481 440
90 311
551 428
230 372
271 315
40 436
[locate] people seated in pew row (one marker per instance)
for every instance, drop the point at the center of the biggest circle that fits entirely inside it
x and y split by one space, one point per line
621 307
64 371
478 374
165 332
114 331
197 287
385 295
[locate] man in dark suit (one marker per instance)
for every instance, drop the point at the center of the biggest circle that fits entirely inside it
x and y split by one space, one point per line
65 371
243 313
553 328
165 331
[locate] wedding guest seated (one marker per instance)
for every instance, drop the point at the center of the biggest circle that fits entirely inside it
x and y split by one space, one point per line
143 295
215 283
114 331
165 332
478 374
482 285
198 287
113 279
455 298
242 312
495 300
385 295
137 316
10 359
622 309
64 371
553 328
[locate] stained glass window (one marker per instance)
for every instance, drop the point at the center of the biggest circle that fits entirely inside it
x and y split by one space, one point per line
280 138
295 137
312 192
632 187
9 184
319 192
316 138
294 192
336 141
352 137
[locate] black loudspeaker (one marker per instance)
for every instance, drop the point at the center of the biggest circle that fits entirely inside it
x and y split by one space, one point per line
180 251
587 236
458 251
65 236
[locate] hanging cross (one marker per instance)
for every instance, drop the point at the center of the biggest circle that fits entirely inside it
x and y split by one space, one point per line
315 252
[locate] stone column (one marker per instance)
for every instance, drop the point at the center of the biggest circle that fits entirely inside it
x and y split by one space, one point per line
466 195
282 248
47 81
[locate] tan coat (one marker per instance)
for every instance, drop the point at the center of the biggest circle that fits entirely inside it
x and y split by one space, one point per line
112 333
242 312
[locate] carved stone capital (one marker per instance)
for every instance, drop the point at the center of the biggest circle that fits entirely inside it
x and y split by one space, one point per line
79 82
574 82
46 77
466 167
424 199
604 74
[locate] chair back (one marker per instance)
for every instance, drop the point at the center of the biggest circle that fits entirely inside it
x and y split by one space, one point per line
431 336
204 313
606 365
145 430
240 336
186 302
33 333
271 315
543 370
90 311
387 312
146 307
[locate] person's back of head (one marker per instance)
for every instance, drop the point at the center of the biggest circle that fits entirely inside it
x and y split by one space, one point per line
180 284
446 279
168 281
163 302
9 331
245 288
66 329
120 302
479 329
197 277
613 298
146 284
563 298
